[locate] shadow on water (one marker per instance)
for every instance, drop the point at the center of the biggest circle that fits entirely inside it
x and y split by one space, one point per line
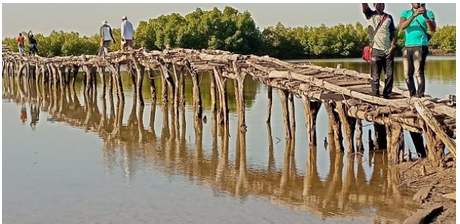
137 137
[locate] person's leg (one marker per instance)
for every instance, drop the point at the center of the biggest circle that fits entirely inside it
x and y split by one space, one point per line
106 47
418 72
130 44
21 50
376 69
408 65
389 71
421 77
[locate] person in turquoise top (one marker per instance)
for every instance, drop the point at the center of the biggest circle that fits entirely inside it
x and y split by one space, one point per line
416 22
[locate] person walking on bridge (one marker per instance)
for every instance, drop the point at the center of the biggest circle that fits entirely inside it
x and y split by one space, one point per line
127 32
21 44
106 37
382 41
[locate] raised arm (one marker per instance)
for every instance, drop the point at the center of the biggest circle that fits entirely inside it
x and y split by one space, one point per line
430 21
405 22
365 7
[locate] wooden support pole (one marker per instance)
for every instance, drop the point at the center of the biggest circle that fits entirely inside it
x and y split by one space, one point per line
269 105
434 146
311 112
213 92
175 80
139 79
359 136
334 127
395 146
284 105
102 75
115 69
196 95
240 76
75 72
181 84
222 89
153 92
61 73
88 78
292 114
348 124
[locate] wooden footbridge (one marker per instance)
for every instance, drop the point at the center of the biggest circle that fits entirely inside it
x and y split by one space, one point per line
344 93
339 195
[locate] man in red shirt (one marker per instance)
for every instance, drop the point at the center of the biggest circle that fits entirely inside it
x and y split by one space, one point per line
21 44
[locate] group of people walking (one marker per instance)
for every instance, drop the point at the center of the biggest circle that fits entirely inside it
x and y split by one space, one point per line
127 32
415 22
33 50
105 31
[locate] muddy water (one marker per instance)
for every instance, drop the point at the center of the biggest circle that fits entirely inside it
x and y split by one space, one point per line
74 158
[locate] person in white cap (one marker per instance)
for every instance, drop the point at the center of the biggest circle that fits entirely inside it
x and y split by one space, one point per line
127 32
106 37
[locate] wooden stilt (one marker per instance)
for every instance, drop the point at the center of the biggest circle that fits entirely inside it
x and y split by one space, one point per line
348 124
213 92
284 106
380 136
102 75
395 141
153 92
311 112
334 124
269 105
359 136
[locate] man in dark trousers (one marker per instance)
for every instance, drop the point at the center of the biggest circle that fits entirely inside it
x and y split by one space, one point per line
416 22
106 36
382 41
33 50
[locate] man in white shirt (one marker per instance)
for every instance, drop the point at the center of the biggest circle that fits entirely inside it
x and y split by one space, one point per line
127 32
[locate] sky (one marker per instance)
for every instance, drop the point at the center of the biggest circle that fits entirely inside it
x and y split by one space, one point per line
86 18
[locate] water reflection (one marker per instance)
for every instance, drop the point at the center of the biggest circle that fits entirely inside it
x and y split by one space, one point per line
127 143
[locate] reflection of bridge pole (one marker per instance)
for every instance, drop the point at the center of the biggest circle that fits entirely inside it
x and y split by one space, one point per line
242 182
311 176
336 167
223 158
140 123
286 165
347 183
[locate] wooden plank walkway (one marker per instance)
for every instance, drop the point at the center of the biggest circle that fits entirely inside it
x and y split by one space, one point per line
345 93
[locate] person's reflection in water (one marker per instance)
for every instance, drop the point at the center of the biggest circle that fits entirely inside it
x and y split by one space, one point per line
34 116
23 115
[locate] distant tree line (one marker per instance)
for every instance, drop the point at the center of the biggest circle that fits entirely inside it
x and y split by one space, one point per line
233 31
